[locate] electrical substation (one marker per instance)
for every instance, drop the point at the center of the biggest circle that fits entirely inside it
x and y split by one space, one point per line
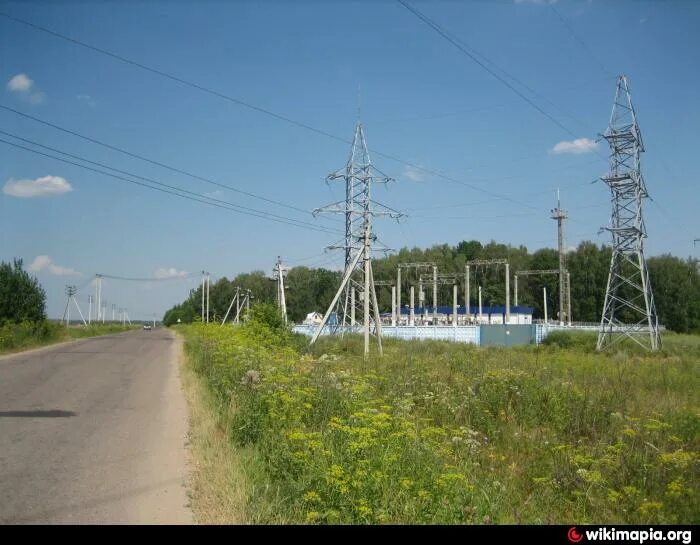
628 311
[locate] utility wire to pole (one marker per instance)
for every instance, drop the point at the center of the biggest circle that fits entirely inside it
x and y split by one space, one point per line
154 162
457 43
163 187
270 113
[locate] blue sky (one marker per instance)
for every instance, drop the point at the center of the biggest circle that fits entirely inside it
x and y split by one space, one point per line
422 100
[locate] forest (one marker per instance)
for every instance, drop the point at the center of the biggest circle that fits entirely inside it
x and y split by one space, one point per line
675 283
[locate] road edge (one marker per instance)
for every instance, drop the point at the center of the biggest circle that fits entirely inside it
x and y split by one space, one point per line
50 346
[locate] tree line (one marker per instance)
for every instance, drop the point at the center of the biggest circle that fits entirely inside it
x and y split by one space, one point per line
675 283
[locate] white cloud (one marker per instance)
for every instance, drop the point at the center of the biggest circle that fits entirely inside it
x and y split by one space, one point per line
37 98
42 262
21 83
578 146
87 99
216 194
41 187
535 1
642 20
414 174
171 272
24 85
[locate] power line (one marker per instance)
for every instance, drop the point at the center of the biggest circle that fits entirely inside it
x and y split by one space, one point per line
437 28
176 79
180 171
211 201
263 110
169 278
151 180
581 42
234 207
151 161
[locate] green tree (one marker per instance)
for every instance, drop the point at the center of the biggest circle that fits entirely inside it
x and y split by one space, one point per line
21 296
675 284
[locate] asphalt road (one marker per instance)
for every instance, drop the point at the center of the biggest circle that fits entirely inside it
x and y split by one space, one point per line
94 432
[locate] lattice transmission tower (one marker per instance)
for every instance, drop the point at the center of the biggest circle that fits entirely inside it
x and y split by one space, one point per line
629 310
357 294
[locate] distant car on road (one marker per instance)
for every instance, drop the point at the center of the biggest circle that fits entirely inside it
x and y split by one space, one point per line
147 326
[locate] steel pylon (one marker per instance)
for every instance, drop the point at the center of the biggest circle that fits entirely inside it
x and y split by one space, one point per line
356 296
629 310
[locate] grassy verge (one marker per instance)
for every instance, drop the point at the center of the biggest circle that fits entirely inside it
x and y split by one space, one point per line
218 482
446 433
26 335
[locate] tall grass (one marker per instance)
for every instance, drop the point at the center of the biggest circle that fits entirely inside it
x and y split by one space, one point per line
447 433
14 337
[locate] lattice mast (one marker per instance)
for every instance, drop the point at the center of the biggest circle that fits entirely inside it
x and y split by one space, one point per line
358 208
629 310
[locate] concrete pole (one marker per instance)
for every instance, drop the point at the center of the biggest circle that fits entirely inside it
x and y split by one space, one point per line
435 305
98 310
507 293
114 307
421 295
412 317
568 299
467 298
283 298
545 304
89 309
352 306
366 301
203 296
480 307
454 305
515 277
398 295
104 310
393 305
208 284
238 304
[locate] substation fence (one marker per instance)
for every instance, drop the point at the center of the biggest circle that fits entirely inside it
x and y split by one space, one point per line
462 334
480 335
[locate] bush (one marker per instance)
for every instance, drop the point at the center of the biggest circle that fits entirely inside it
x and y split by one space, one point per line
581 340
21 296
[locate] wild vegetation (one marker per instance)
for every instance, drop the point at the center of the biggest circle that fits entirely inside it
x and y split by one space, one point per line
675 283
27 334
23 322
448 433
